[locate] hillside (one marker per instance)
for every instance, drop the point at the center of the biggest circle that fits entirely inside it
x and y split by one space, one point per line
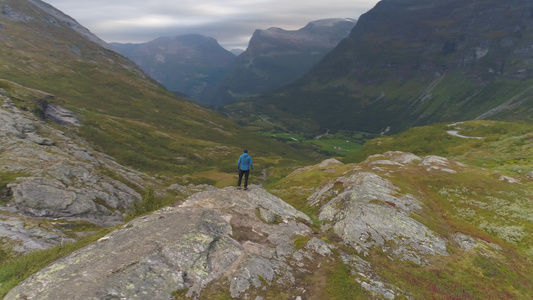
275 57
121 110
89 140
189 64
415 62
393 226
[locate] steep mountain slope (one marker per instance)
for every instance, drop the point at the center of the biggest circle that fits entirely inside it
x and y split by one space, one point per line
87 139
73 111
276 57
188 64
415 62
121 110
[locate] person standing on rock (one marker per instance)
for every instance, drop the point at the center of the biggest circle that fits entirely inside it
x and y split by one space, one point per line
244 165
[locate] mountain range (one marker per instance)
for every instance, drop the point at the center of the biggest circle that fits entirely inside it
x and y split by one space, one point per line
276 57
113 187
189 64
199 67
414 62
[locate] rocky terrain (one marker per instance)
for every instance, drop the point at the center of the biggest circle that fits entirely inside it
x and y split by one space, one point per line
391 225
49 173
253 245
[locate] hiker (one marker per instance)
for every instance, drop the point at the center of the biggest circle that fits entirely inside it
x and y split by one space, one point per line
244 165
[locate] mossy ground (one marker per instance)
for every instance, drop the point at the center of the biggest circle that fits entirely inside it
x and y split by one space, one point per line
475 201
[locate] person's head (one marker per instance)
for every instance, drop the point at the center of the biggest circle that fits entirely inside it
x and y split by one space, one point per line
245 150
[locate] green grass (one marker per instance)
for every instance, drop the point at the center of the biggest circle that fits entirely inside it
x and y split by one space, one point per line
473 201
506 146
6 178
123 113
338 144
340 284
14 271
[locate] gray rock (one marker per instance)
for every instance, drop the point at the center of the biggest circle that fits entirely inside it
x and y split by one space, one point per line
319 246
48 198
509 179
402 158
60 115
329 162
434 160
28 237
465 241
214 235
371 213
152 256
59 178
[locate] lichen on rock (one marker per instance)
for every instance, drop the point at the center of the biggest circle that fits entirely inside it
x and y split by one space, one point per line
370 212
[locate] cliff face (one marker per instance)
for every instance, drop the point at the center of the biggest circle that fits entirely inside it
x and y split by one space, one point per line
275 57
398 40
416 62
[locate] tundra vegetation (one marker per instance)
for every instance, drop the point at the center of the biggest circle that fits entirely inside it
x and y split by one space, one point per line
482 201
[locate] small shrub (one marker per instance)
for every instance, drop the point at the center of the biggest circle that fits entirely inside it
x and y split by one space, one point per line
511 234
147 204
300 241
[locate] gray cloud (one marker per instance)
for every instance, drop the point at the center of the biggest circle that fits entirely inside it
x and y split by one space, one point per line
231 22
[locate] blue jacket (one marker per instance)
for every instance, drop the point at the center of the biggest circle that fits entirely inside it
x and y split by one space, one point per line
245 162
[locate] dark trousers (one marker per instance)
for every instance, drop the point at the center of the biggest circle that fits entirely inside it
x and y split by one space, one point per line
246 174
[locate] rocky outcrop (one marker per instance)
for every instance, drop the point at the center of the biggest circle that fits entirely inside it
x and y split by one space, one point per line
252 245
59 176
23 234
218 235
46 173
56 17
242 243
368 211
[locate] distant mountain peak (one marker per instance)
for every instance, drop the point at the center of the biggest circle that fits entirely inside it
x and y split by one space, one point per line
189 64
275 57
414 62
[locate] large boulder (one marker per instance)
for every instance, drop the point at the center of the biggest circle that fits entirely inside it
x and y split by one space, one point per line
366 210
216 235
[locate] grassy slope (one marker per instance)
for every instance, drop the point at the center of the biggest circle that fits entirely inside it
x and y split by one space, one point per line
124 113
474 201
506 146
344 104
144 126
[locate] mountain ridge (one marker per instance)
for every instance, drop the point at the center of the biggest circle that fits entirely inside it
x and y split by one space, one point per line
276 57
190 64
394 72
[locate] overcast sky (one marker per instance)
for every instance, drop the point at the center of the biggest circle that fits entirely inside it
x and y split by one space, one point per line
231 22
